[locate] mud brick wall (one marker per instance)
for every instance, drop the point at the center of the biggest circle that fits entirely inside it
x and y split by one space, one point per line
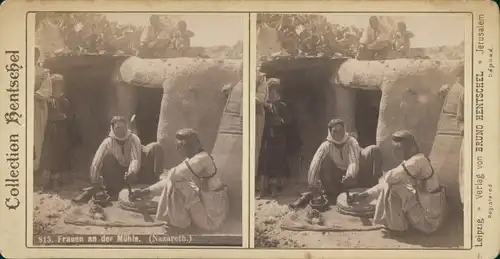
192 94
228 148
410 99
410 96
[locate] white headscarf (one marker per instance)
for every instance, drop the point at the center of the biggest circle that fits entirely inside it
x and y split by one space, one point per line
330 138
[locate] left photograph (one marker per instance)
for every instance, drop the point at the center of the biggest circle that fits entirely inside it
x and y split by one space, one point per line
137 128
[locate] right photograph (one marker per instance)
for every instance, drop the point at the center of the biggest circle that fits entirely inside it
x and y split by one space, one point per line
359 130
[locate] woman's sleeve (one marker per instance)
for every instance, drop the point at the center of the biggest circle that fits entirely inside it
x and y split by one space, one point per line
97 161
406 171
157 188
395 175
315 166
279 113
136 153
353 151
65 107
283 113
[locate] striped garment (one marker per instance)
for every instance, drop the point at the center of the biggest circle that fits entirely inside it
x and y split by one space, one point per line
128 154
345 156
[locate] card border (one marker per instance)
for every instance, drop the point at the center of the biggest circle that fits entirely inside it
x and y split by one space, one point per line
250 138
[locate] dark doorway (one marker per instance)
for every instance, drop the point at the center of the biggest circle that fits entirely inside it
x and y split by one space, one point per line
147 113
89 100
367 111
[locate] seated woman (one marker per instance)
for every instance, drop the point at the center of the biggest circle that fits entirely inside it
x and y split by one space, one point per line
339 164
192 191
410 194
121 158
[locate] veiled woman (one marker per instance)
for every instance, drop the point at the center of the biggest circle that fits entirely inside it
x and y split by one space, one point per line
43 90
191 192
55 157
409 194
273 160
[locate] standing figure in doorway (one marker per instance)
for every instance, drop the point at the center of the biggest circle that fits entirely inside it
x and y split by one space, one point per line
55 157
273 160
43 90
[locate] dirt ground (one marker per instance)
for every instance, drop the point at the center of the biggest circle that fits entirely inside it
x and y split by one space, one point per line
50 208
268 233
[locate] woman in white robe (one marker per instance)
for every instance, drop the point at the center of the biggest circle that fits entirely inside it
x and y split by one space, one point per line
191 192
410 194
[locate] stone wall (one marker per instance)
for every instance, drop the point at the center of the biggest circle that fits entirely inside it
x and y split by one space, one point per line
410 99
228 148
193 97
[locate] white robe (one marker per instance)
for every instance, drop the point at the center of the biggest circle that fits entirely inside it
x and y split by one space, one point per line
184 198
403 201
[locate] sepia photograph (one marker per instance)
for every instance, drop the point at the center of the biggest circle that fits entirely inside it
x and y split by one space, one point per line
138 128
359 130
249 129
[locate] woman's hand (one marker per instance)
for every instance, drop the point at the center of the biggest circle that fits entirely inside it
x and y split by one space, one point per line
359 197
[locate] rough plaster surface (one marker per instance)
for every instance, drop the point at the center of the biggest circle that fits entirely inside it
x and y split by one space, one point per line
410 96
192 94
445 154
193 97
228 148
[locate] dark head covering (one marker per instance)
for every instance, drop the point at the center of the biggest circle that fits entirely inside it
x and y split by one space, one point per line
190 138
373 19
154 18
182 24
402 24
335 122
405 138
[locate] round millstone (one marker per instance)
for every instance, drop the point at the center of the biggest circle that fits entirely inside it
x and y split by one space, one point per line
125 203
359 209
